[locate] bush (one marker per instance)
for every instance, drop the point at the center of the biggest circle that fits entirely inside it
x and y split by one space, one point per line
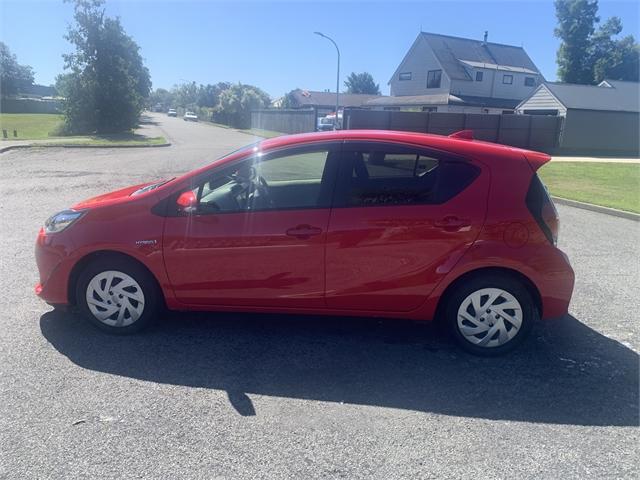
236 104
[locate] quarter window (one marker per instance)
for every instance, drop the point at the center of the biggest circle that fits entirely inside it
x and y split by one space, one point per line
404 76
434 78
479 76
507 79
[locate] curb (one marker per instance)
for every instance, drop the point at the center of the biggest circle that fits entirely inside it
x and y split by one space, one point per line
70 145
597 208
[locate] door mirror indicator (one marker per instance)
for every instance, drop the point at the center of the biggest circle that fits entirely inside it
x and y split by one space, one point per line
187 202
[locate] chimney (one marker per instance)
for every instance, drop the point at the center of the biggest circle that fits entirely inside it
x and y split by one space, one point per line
486 35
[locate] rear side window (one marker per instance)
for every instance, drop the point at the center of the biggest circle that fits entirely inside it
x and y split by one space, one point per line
381 175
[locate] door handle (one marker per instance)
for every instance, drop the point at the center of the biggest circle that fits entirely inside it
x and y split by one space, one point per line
452 223
304 231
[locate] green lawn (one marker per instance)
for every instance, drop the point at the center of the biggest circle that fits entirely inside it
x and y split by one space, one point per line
615 185
38 126
124 139
30 126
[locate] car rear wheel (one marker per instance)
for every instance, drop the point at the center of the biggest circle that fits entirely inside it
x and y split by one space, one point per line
117 295
490 315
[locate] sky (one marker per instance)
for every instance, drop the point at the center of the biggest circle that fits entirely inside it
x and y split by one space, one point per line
272 45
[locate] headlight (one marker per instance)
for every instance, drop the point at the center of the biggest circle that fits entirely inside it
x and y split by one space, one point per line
60 221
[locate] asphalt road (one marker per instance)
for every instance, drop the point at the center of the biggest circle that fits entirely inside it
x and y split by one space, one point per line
268 396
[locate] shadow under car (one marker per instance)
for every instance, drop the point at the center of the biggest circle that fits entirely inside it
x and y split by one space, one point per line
565 373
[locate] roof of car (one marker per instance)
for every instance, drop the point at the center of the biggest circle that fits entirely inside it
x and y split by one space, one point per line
490 152
425 139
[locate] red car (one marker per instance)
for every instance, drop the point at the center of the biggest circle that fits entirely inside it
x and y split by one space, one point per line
368 223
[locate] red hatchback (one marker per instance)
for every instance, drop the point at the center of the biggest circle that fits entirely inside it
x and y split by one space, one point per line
369 223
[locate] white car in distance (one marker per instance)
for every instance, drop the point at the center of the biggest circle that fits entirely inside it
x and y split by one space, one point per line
190 117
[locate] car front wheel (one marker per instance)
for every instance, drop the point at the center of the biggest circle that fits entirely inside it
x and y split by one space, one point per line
490 315
117 296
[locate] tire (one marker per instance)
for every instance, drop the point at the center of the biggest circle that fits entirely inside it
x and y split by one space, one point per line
132 296
493 329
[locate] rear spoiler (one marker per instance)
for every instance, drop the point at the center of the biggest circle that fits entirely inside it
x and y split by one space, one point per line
535 159
462 135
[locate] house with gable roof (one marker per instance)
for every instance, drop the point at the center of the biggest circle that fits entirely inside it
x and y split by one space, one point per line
451 74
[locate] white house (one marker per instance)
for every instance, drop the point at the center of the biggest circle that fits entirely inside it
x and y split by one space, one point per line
451 74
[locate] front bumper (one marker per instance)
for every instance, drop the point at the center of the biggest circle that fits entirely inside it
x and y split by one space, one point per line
54 267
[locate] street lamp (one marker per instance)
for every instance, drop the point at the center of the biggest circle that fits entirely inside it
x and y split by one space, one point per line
335 125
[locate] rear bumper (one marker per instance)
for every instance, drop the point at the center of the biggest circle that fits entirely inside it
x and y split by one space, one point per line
555 285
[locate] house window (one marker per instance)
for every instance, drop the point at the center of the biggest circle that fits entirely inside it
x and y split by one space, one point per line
507 79
404 76
479 76
394 109
529 81
429 109
433 78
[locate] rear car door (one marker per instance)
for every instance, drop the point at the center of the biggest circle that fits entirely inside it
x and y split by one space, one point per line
257 236
402 216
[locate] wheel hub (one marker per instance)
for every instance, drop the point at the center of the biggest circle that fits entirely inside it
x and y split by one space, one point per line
115 298
489 317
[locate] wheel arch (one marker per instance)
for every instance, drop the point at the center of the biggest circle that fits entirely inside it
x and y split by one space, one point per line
81 264
478 272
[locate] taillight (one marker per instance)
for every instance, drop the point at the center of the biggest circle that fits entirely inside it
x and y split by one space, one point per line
543 210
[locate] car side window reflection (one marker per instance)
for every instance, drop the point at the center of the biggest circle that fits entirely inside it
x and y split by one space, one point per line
286 181
383 175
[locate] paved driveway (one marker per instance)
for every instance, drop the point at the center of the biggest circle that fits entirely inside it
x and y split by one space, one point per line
270 396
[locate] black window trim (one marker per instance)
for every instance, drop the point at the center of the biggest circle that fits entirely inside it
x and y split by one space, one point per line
481 74
440 155
167 207
504 77
533 81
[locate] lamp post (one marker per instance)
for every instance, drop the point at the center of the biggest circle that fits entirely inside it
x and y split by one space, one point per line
335 123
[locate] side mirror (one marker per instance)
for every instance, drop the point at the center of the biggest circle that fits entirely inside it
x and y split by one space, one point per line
187 202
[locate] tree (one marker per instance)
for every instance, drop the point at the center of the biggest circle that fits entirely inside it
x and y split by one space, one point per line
587 55
63 84
236 104
162 97
13 76
289 100
576 19
186 95
614 59
208 95
108 84
362 83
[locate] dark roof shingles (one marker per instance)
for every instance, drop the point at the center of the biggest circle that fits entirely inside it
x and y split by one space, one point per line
449 50
621 97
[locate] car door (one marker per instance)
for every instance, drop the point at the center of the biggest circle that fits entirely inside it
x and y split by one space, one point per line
402 217
257 235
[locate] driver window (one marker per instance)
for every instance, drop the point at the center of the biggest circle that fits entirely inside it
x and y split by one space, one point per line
265 183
